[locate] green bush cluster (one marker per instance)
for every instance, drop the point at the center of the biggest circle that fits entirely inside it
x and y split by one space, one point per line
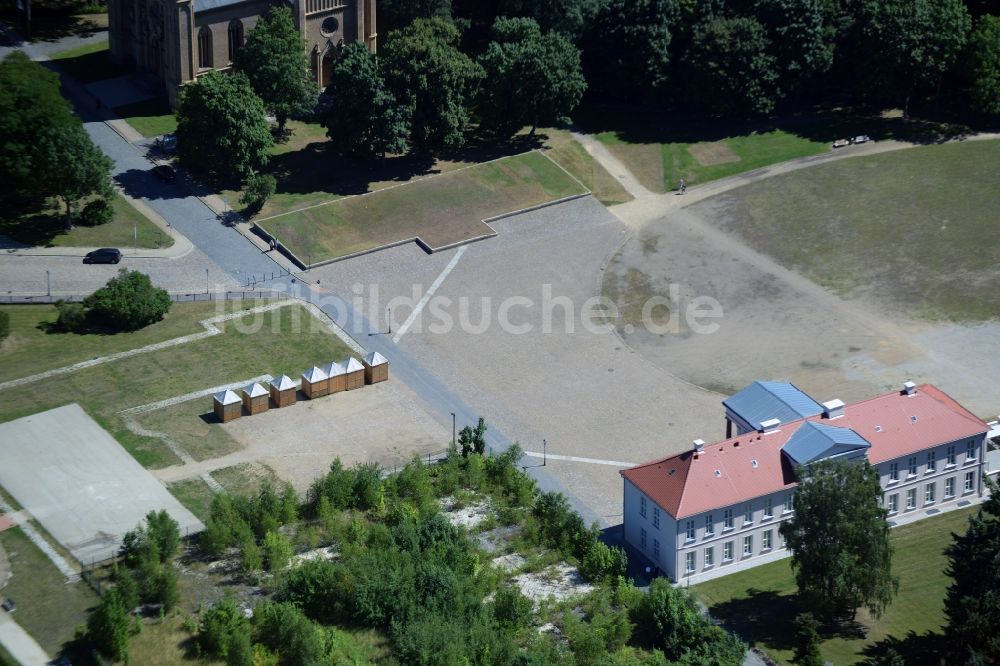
129 301
257 189
252 524
97 212
4 325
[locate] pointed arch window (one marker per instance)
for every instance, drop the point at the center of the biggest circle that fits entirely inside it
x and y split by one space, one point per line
235 37
205 48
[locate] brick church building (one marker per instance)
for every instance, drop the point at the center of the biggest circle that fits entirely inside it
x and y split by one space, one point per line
178 40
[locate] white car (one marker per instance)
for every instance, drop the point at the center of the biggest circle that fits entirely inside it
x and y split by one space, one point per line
861 138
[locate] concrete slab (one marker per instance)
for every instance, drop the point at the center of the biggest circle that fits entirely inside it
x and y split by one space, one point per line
79 483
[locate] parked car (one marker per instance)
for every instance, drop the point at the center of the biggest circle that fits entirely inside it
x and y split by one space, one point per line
106 255
165 172
9 605
167 143
840 143
861 138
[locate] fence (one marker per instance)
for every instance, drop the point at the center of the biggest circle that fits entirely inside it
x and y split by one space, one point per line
177 298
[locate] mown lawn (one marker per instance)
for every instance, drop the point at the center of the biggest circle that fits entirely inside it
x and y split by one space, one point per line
914 229
442 210
572 156
128 228
48 607
88 63
150 117
279 341
761 603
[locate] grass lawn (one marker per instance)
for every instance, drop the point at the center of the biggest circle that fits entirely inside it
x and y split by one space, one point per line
286 340
761 603
150 117
48 229
195 495
164 642
915 229
245 479
192 424
88 63
573 157
442 210
48 607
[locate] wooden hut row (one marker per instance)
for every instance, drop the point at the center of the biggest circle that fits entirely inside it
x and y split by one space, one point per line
317 382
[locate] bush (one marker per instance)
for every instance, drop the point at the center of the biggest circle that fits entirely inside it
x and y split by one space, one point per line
221 627
601 562
96 213
4 325
511 608
128 301
257 189
72 316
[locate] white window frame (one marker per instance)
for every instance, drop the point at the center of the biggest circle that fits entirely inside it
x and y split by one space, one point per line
748 514
789 503
689 531
769 508
970 452
893 503
930 493
727 520
951 456
748 545
893 472
765 540
709 526
709 558
970 482
727 551
642 506
911 467
690 562
911 499
949 488
656 517
931 462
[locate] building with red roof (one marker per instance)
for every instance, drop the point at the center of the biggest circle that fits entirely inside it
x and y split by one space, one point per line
697 513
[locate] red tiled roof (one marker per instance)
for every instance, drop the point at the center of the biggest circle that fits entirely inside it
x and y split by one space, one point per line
725 474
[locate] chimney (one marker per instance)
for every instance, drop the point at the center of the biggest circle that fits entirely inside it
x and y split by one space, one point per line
833 409
909 388
769 426
699 445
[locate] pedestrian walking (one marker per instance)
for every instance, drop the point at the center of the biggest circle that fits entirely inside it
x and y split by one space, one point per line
683 186
274 245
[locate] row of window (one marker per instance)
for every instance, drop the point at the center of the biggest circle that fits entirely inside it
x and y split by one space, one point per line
708 556
205 53
748 517
930 491
930 464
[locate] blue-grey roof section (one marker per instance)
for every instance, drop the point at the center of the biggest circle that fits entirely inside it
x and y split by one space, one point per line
764 400
816 441
205 5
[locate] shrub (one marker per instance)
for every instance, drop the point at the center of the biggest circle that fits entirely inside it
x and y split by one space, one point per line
4 325
96 213
277 551
220 628
257 189
128 301
601 562
511 608
72 316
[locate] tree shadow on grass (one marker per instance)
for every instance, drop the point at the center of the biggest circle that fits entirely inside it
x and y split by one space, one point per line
925 649
762 616
33 230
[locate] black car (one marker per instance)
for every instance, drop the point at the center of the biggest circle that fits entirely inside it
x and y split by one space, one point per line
106 255
165 172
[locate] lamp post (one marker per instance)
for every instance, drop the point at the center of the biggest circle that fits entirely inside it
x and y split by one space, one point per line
207 288
545 446
453 429
389 317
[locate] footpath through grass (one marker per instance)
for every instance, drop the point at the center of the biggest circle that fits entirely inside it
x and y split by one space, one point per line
761 603
915 229
48 607
128 228
286 340
442 210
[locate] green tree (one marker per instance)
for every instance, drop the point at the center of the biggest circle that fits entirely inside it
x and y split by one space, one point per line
902 45
364 118
43 137
511 608
163 587
529 77
807 641
627 49
219 628
257 189
972 604
277 551
283 628
128 302
222 129
839 540
433 79
729 69
569 17
108 626
798 39
164 531
397 14
982 65
274 59
251 559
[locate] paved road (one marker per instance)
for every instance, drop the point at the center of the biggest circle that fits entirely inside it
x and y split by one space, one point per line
20 645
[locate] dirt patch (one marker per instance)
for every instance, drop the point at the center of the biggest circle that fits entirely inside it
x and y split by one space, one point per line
468 515
716 152
559 582
509 563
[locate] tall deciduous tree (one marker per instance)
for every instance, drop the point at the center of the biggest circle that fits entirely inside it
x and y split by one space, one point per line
973 600
221 126
982 64
627 48
569 17
45 150
274 59
364 118
530 77
428 74
903 45
839 540
397 14
128 302
108 626
729 69
797 37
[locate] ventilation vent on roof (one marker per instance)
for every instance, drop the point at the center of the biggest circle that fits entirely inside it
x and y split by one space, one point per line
736 444
769 426
718 473
671 472
698 445
753 463
913 419
909 388
878 428
833 409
